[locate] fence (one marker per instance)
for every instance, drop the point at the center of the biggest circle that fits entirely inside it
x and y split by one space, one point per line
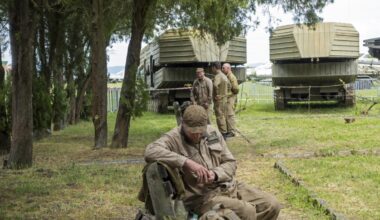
361 84
262 92
113 97
258 92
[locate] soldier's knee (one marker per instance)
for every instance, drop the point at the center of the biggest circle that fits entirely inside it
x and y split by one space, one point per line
243 209
273 208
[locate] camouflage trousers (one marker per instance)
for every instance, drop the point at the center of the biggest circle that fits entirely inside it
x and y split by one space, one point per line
209 112
220 108
247 202
230 114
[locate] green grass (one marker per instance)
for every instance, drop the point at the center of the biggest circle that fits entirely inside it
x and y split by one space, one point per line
368 93
70 191
58 186
114 85
321 129
349 184
260 173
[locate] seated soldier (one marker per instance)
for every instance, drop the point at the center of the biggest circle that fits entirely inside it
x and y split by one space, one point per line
208 169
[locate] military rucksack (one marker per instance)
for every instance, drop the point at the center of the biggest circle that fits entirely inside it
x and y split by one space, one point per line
162 192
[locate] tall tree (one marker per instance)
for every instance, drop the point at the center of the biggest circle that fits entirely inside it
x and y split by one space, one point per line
76 62
22 20
56 20
140 19
42 100
99 73
4 114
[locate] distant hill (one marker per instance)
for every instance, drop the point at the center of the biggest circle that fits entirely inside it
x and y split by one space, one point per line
115 69
253 65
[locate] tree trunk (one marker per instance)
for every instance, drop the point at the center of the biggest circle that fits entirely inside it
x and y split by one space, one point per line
59 100
5 143
75 65
81 95
99 74
70 91
56 27
141 9
42 107
22 26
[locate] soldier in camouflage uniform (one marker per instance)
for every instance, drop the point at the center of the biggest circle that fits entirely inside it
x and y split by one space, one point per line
207 169
231 99
220 90
201 92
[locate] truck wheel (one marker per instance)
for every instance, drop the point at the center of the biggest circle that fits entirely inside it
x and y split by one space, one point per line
279 100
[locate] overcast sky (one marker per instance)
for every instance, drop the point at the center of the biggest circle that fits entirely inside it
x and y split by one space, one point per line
363 14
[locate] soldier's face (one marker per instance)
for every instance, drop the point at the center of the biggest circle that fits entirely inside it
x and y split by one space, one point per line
200 74
193 137
225 69
214 70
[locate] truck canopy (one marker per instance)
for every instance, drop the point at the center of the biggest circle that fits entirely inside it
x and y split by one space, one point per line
324 40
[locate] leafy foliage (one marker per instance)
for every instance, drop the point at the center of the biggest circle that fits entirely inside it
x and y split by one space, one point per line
5 100
42 108
141 98
225 19
60 102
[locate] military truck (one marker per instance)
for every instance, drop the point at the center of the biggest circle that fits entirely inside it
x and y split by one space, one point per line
168 64
316 63
373 47
370 66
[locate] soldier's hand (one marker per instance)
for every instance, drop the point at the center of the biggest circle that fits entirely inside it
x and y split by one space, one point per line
211 176
200 171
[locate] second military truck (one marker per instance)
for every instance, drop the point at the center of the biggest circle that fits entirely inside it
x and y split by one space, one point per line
316 63
169 62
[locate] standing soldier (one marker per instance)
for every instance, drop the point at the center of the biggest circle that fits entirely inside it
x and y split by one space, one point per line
231 100
221 87
201 93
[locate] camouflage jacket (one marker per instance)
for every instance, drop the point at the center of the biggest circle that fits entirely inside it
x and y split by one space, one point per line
221 85
212 153
201 93
234 84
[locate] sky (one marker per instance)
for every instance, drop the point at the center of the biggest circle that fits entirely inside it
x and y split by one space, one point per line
363 14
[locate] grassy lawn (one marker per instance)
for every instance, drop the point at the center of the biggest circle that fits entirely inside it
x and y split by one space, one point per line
60 186
322 130
317 128
349 184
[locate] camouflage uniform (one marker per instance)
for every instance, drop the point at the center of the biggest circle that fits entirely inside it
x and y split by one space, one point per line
221 87
201 94
173 149
231 103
